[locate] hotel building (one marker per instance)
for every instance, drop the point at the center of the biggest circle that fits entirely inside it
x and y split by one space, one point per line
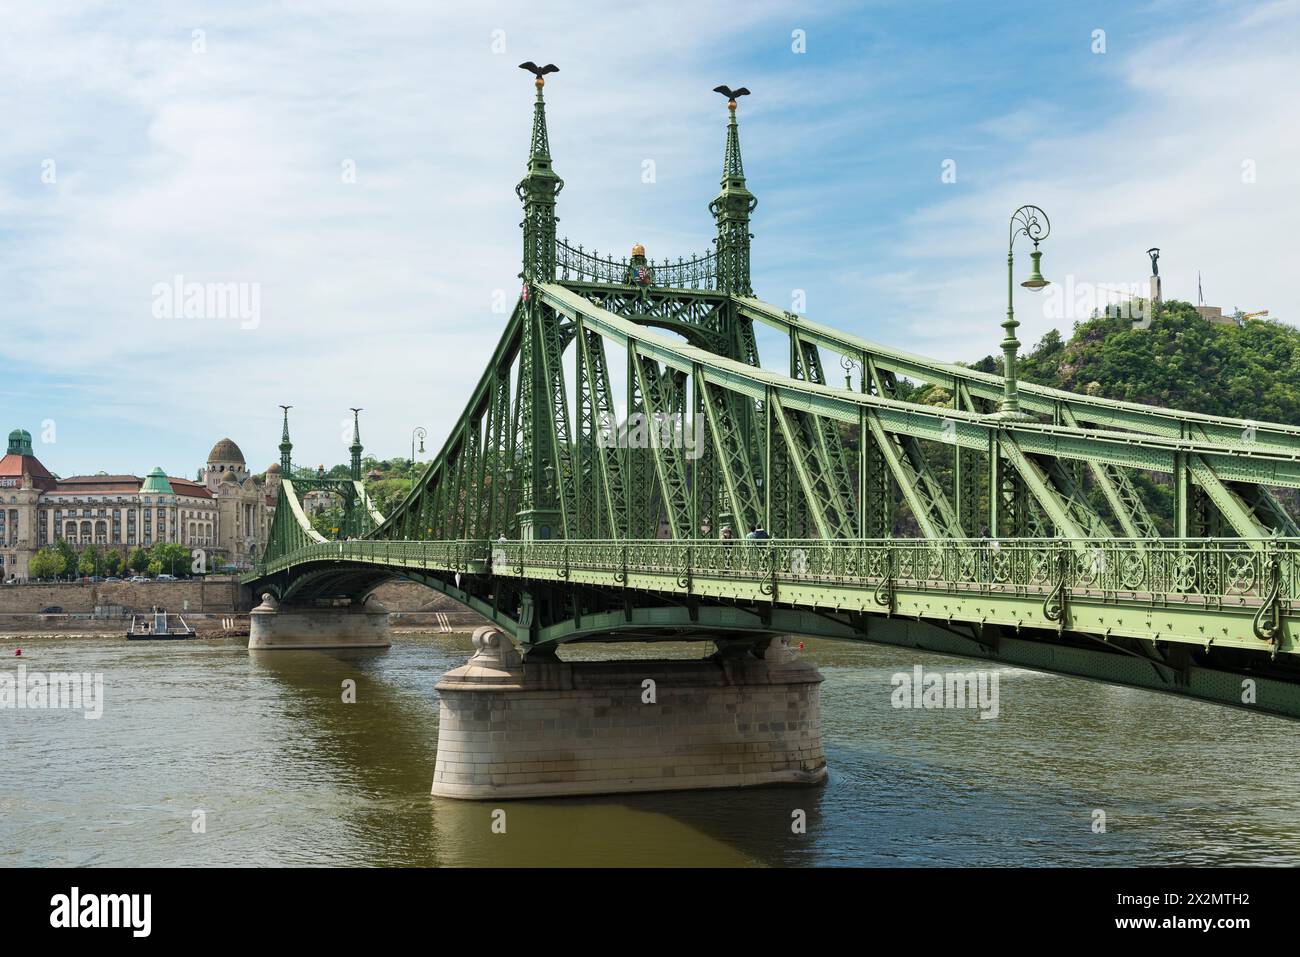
226 514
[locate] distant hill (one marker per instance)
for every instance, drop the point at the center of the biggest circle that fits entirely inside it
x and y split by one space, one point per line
1180 361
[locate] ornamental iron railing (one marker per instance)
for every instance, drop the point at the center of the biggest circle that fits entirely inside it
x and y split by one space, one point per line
574 264
1217 572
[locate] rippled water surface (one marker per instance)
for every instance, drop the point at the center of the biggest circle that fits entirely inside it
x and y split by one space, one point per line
287 774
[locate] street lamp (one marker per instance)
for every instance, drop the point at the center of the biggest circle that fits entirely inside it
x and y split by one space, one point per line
848 364
417 432
1032 222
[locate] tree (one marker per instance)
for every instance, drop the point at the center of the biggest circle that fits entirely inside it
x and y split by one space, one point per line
1179 361
171 556
388 492
112 562
47 563
90 560
154 567
139 561
68 555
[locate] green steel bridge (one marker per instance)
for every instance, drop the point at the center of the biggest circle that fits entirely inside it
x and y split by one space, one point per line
1014 534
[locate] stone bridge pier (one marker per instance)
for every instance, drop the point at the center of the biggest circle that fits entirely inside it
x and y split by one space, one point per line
510 728
276 626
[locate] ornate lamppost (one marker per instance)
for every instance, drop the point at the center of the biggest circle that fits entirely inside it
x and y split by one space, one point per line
421 434
1032 222
848 364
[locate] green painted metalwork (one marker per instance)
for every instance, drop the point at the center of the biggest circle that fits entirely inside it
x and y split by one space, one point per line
1032 222
356 448
286 447
611 529
731 210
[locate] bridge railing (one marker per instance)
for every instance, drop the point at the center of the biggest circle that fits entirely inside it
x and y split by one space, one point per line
462 556
1215 571
573 264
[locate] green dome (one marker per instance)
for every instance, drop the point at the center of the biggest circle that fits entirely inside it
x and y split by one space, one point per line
156 483
20 442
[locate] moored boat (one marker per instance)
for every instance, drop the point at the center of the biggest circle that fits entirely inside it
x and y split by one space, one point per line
158 626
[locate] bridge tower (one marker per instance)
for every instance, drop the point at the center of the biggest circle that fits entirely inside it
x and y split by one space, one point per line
731 209
356 448
286 447
541 451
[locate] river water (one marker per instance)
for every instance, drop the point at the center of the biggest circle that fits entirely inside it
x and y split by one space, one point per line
285 773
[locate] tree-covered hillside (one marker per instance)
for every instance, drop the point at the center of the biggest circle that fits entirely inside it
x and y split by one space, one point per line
1180 361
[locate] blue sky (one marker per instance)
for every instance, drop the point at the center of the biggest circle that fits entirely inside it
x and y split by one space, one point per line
218 157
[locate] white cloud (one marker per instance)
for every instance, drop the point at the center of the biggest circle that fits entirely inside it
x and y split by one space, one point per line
225 166
1166 171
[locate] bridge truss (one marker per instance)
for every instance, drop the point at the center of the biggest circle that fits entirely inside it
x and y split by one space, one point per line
624 421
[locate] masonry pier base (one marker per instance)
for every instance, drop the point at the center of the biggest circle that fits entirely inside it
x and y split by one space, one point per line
275 626
549 728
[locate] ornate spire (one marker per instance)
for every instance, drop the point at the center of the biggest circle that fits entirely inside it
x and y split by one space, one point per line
540 154
286 447
732 207
538 189
732 167
355 448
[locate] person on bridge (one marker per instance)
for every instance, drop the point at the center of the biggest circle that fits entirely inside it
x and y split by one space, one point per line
727 535
757 533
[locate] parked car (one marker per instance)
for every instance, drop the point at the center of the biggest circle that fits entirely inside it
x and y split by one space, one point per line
166 578
138 579
112 578
52 610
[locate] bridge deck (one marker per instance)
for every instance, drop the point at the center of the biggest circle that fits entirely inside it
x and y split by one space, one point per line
1205 593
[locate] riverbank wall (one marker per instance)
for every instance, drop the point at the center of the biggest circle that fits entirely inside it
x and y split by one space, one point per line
95 607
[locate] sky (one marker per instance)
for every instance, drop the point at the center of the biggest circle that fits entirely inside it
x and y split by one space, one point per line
351 168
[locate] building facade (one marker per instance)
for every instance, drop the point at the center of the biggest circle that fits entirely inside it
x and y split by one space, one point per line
225 515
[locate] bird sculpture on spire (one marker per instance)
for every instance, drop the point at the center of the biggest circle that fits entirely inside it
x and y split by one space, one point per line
539 71
731 94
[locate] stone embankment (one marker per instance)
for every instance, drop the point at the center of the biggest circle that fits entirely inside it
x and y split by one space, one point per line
215 607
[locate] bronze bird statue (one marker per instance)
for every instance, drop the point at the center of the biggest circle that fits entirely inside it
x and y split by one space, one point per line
539 71
731 94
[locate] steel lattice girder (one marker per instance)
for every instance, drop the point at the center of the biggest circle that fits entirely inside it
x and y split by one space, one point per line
662 411
702 317
909 466
1155 453
592 359
1250 514
1106 413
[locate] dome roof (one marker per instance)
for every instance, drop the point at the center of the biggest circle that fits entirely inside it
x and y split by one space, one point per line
20 442
226 451
229 478
156 482
273 468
